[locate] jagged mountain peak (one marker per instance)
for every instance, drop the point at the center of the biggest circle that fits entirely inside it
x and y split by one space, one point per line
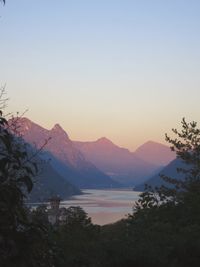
57 127
118 162
24 125
66 159
24 119
25 122
58 130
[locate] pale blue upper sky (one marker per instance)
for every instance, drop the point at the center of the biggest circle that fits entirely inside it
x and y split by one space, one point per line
127 70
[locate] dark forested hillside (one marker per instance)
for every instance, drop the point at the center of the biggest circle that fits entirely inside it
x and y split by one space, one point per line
48 183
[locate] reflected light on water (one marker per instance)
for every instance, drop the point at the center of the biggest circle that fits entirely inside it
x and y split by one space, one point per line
105 206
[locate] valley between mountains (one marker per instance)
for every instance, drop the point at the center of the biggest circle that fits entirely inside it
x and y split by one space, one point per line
68 166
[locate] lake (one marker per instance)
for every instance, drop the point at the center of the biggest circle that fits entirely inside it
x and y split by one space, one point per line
104 206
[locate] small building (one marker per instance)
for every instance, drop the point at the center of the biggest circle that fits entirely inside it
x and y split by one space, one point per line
55 202
56 215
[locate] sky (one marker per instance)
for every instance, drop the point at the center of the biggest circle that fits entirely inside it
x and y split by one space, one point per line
124 69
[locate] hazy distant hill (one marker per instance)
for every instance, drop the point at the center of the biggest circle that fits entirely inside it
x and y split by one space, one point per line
170 170
121 164
155 153
66 159
49 183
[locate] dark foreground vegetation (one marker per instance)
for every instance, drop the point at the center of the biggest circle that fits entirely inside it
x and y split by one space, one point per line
164 229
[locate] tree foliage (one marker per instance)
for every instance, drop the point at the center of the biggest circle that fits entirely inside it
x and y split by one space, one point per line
22 241
77 240
165 226
164 229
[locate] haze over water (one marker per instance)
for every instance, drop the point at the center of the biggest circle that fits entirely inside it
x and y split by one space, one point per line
104 206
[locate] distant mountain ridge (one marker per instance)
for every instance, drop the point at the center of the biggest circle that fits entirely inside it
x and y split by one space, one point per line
170 170
66 159
96 164
155 153
49 183
121 164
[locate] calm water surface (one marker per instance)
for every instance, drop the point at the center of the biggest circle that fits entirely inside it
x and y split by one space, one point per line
104 206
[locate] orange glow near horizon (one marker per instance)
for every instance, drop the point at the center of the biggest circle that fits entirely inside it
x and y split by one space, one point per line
129 72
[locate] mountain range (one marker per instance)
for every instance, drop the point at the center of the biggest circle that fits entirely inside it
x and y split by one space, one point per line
170 171
128 168
49 183
95 164
64 157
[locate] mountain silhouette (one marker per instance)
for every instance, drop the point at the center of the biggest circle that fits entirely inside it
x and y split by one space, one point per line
48 182
121 164
170 170
65 158
155 153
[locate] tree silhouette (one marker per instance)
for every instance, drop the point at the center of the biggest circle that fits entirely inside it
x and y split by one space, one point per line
166 224
22 242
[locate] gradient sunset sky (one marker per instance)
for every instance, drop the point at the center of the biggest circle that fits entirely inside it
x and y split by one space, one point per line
127 70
